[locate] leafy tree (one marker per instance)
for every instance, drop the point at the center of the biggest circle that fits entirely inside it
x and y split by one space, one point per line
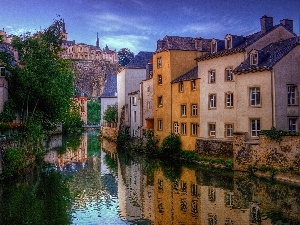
72 121
111 114
93 108
125 56
41 85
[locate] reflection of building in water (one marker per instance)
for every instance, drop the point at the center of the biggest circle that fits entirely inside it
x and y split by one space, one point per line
109 147
53 142
70 156
177 202
130 190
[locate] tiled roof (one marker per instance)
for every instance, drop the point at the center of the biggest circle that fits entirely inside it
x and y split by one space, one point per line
141 60
239 44
110 88
268 56
190 75
181 43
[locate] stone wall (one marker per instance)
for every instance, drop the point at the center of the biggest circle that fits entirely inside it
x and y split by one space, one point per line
214 148
265 152
109 132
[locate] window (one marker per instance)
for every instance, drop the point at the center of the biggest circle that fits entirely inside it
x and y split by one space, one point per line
159 80
228 199
148 88
228 42
228 75
133 100
211 129
148 105
213 46
194 189
194 127
211 194
159 62
253 59
134 116
2 71
292 95
292 124
175 128
255 96
194 206
183 128
255 127
183 205
180 86
159 101
229 100
194 109
211 76
183 110
212 98
228 130
183 186
160 184
212 219
160 124
193 82
82 109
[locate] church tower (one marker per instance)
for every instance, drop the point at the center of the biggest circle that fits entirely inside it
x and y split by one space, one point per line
64 34
97 42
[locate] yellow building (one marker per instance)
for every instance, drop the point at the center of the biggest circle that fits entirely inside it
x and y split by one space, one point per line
174 56
185 108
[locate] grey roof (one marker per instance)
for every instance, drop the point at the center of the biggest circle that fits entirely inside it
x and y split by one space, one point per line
110 88
190 75
79 93
181 43
240 44
268 56
141 60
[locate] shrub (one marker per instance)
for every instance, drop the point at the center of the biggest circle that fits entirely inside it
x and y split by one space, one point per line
13 161
171 145
111 114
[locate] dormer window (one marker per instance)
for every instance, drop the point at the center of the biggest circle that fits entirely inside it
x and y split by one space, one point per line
213 46
228 42
2 71
254 58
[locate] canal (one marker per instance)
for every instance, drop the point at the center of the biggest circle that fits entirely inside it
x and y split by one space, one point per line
87 183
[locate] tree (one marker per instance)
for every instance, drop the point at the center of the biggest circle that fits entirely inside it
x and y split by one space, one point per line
125 56
41 85
93 108
111 114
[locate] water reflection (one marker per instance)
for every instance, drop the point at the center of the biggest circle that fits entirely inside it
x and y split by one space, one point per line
92 184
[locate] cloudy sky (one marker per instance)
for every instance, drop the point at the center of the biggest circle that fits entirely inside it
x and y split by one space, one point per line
138 24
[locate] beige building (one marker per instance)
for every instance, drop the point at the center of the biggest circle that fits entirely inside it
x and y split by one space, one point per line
174 57
230 102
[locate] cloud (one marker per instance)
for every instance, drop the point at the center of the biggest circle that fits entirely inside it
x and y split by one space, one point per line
18 30
133 42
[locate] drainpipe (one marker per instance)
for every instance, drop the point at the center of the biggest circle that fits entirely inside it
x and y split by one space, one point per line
171 106
272 96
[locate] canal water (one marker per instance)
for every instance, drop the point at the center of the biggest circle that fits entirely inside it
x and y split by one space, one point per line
87 183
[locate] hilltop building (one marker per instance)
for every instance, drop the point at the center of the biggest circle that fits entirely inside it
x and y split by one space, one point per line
83 51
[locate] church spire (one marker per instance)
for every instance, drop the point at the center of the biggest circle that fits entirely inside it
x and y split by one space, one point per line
97 42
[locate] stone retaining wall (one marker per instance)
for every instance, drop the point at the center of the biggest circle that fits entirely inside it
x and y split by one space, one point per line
214 148
265 152
109 132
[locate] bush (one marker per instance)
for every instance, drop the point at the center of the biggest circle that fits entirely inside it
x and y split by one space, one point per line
171 146
13 161
111 114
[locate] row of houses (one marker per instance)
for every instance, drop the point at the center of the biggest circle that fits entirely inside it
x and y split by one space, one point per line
210 88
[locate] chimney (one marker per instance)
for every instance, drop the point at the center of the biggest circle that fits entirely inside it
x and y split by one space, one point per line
198 43
288 24
266 23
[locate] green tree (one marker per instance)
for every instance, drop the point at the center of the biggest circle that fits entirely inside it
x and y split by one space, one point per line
93 108
41 84
125 56
72 122
111 114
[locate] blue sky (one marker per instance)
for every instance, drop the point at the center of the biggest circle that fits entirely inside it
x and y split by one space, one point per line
138 24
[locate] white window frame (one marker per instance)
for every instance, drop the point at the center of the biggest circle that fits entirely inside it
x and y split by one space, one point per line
181 87
255 126
292 95
160 101
212 76
212 98
214 46
175 127
183 110
254 96
159 81
228 130
194 129
159 62
194 86
254 58
228 43
134 100
293 124
194 110
229 100
212 129
183 128
228 75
